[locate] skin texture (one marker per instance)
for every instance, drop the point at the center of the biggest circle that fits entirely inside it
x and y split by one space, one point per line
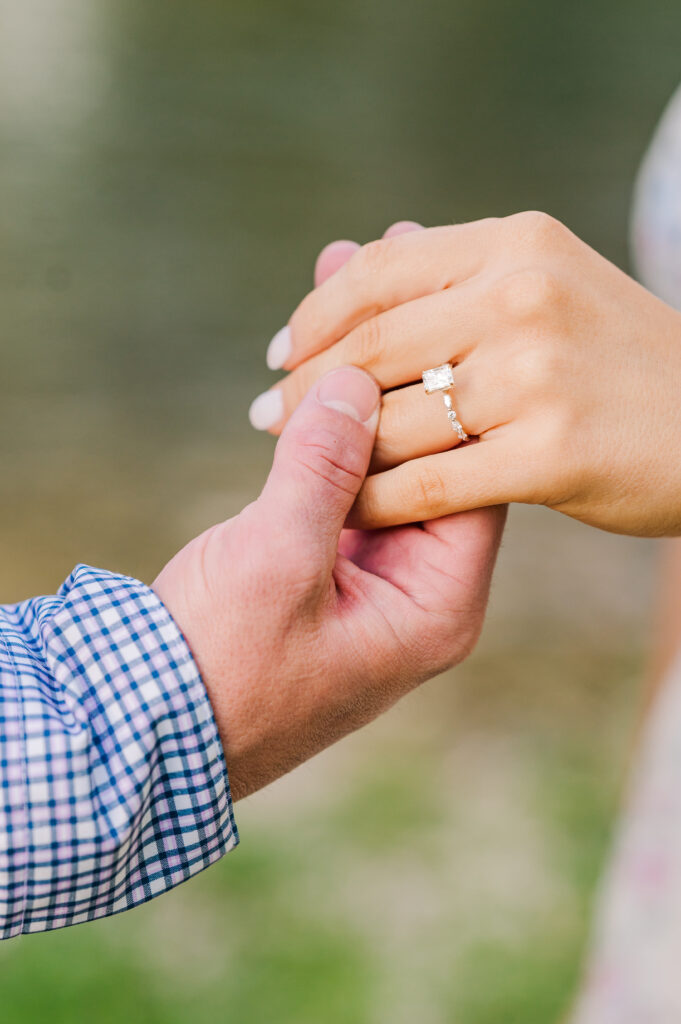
568 373
303 630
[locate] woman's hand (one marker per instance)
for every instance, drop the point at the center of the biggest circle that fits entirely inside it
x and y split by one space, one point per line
568 373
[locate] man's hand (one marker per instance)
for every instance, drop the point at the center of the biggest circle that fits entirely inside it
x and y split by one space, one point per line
303 631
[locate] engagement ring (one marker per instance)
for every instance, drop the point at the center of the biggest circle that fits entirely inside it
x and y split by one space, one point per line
441 378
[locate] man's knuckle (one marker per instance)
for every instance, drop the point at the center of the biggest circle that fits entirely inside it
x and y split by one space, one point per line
464 639
453 639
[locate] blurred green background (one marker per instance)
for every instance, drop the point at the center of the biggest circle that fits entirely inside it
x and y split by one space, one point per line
168 172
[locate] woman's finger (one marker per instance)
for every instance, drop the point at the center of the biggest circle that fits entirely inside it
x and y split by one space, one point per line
384 274
402 227
491 472
332 257
414 424
395 347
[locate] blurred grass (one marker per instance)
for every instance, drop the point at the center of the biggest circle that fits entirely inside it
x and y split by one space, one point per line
168 174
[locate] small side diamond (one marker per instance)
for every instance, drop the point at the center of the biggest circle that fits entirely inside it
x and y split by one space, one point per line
438 379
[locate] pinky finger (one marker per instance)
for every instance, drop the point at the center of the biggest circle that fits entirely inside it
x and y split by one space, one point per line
335 254
402 227
474 476
332 257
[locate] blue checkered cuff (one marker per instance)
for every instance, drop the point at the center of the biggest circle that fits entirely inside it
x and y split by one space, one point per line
113 780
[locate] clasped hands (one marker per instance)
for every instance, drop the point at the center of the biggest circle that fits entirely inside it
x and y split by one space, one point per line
567 371
567 374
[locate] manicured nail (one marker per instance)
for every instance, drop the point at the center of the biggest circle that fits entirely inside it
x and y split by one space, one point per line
279 349
267 409
403 227
350 391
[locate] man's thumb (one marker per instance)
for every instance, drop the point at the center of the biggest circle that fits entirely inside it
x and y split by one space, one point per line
320 463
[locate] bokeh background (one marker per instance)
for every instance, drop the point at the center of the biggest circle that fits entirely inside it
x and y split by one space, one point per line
168 172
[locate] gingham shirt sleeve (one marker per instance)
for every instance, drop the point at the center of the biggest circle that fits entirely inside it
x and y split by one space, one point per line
113 781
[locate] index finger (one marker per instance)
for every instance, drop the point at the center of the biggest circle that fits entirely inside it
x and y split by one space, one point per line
384 274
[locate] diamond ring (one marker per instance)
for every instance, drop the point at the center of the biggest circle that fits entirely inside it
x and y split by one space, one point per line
441 378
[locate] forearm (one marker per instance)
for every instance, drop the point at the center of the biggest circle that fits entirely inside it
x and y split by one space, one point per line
112 769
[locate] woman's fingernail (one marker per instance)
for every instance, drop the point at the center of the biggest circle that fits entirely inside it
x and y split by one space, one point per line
403 227
267 409
350 391
279 349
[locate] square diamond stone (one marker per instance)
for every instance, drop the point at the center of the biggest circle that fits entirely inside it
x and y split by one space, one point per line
438 379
